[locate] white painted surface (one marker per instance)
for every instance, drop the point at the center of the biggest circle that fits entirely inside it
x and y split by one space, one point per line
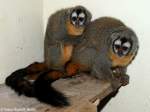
135 13
20 34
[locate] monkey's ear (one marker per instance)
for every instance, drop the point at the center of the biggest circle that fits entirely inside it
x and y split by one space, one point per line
89 15
114 36
69 11
87 12
115 32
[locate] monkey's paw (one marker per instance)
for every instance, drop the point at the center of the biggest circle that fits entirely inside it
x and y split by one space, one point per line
120 75
124 80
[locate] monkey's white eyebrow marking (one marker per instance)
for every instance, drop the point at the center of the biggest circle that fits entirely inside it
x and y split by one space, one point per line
117 42
82 15
74 14
127 44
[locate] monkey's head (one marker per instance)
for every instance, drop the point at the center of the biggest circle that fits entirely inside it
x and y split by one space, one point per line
77 18
124 45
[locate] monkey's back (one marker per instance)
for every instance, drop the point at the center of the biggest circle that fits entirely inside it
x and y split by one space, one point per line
106 22
95 41
55 29
99 30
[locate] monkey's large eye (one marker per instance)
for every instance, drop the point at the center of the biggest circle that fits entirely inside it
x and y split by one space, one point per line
74 17
125 48
81 18
117 46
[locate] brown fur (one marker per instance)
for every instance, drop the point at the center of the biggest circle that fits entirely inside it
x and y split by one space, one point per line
72 30
55 75
67 53
36 67
32 76
73 68
120 61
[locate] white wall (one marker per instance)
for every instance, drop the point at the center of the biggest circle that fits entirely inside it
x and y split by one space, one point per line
135 13
20 34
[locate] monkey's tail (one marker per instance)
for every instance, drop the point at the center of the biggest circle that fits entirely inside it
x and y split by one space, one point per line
17 82
44 92
41 88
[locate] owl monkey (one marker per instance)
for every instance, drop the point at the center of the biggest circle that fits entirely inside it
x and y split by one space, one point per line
64 31
109 46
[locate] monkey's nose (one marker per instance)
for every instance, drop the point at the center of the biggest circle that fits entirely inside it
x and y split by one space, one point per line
77 23
120 53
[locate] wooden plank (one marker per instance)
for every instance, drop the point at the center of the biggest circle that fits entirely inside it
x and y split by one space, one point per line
81 91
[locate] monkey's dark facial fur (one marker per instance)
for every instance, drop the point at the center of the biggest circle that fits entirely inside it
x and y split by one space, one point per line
78 17
122 46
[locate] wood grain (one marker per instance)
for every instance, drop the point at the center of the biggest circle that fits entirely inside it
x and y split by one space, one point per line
82 92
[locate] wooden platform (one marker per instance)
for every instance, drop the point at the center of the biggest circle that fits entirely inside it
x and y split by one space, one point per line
79 90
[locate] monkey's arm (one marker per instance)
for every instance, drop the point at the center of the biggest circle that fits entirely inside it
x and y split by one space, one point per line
120 73
114 76
57 55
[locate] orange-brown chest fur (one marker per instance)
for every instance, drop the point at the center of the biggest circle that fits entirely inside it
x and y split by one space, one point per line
120 61
72 30
66 53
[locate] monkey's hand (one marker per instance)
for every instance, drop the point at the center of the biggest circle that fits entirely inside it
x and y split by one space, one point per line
125 80
121 76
